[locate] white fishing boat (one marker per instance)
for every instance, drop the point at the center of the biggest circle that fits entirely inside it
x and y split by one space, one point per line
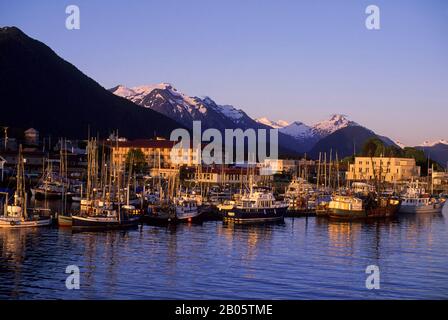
257 206
298 194
186 209
17 215
421 205
416 200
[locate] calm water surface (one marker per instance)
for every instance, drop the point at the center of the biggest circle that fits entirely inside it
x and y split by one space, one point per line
301 259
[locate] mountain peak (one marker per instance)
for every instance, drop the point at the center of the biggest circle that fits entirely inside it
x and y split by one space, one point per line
182 107
400 144
336 122
338 117
52 82
429 143
11 30
273 124
122 91
297 130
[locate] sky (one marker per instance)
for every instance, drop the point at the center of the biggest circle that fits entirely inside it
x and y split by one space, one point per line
292 60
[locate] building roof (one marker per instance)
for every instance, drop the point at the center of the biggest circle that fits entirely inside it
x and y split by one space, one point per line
142 143
226 170
386 158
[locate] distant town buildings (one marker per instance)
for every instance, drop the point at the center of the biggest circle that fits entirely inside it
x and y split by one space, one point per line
440 179
227 175
383 169
291 166
157 152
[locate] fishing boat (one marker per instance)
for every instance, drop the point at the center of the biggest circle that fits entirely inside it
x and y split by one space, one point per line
104 207
17 214
257 206
104 218
186 209
180 209
48 190
54 185
297 195
416 200
352 207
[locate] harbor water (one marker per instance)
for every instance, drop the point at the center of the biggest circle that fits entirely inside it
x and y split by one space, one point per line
304 258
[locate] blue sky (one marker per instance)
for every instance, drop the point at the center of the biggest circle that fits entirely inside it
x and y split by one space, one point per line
291 60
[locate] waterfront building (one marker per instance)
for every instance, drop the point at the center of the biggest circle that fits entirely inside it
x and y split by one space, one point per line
227 175
383 169
278 166
440 181
157 153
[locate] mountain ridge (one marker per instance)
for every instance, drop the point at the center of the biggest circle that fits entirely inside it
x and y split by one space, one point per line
44 91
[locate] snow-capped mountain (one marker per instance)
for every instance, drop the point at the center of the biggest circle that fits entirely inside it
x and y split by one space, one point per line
307 136
400 144
297 130
273 124
301 131
429 143
336 122
166 99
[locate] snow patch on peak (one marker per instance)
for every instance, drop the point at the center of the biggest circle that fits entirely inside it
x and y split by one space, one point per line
123 91
283 123
140 91
297 130
230 112
429 143
273 124
147 89
400 144
336 122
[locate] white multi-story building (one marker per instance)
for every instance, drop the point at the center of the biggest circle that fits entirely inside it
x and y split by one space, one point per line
383 169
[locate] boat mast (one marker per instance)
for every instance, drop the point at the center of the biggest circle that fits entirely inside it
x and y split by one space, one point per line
318 172
20 197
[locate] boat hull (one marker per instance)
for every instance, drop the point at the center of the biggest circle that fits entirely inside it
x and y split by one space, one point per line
80 223
158 217
252 216
433 208
65 221
375 213
17 223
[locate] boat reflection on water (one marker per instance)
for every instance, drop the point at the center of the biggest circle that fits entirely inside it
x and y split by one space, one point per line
17 247
318 259
249 241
